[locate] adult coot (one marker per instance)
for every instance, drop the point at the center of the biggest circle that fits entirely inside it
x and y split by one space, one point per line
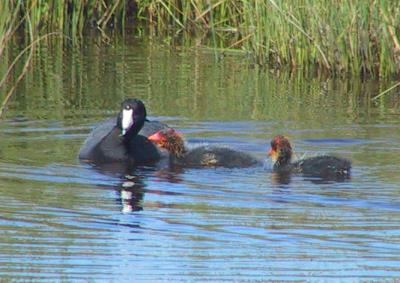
124 138
200 156
325 166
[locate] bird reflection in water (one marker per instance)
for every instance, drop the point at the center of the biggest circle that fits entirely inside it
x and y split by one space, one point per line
281 178
131 193
131 190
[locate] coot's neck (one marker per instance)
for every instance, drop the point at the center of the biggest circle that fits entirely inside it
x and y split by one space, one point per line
133 131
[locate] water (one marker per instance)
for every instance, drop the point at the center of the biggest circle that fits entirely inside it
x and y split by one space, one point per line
65 221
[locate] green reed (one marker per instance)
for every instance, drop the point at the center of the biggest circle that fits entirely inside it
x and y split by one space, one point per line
337 37
14 15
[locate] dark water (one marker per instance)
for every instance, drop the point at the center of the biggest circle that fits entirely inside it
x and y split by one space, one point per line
64 221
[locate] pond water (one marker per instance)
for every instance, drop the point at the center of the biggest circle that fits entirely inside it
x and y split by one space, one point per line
63 220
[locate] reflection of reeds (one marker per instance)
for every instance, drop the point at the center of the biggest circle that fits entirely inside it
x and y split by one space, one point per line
92 84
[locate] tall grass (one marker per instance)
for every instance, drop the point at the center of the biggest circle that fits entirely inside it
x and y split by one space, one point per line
342 37
14 14
8 24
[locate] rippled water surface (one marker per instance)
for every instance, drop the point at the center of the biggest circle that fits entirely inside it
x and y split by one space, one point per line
62 220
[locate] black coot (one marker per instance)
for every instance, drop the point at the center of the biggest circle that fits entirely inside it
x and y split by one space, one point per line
124 138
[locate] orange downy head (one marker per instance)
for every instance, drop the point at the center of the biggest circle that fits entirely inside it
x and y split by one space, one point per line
281 150
170 140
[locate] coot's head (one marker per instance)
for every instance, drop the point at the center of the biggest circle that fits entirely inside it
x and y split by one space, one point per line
281 151
131 117
170 140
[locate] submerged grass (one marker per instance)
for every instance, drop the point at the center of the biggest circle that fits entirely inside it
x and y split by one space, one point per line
339 37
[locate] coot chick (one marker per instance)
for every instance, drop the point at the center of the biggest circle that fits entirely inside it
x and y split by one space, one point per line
200 156
123 139
325 166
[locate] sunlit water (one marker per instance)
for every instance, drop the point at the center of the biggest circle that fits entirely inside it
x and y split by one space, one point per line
62 220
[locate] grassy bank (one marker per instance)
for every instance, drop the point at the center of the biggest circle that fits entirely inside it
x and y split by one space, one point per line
360 38
357 37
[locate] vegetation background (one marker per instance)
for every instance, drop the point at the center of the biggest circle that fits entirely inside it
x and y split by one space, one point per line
339 38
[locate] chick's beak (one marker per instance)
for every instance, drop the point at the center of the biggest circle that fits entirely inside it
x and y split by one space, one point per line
272 154
156 138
